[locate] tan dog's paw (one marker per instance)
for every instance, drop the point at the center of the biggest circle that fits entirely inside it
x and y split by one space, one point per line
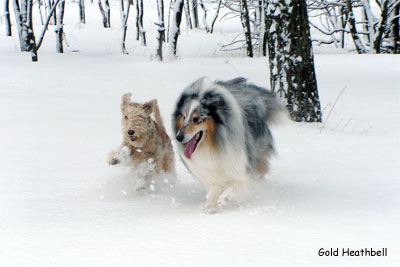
141 184
113 161
114 157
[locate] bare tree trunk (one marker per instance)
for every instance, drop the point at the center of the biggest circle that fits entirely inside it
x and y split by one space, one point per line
353 30
396 29
176 19
169 19
343 22
215 16
21 18
381 27
24 25
263 29
291 59
257 17
370 26
124 19
205 24
60 28
195 16
54 21
365 26
187 12
46 8
160 29
82 11
108 12
39 5
31 35
7 17
140 32
46 24
137 21
105 14
244 16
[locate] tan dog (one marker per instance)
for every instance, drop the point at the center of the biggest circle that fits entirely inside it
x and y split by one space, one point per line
145 141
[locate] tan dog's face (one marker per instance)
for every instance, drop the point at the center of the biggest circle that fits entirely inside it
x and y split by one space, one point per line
136 121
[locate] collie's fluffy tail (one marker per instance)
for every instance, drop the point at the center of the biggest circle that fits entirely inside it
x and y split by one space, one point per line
276 111
274 107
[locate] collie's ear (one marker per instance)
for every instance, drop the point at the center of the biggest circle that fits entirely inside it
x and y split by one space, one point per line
149 106
207 82
126 99
203 83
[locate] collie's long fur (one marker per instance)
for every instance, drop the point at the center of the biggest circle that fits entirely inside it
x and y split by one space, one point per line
223 135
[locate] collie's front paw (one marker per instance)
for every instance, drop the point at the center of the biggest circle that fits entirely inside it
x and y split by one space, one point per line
225 197
211 205
210 209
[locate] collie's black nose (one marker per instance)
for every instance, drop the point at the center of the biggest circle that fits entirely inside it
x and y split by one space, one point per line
131 132
180 136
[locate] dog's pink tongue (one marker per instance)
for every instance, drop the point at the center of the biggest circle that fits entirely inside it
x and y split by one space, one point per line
190 148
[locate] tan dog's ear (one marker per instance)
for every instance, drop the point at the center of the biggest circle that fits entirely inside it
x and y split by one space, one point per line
126 99
149 106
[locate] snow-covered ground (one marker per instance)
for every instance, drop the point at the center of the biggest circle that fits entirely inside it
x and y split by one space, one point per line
62 205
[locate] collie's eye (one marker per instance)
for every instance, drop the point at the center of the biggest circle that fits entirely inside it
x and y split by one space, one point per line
196 120
126 117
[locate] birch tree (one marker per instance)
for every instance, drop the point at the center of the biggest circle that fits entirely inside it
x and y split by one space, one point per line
124 20
51 11
31 35
254 24
245 20
23 16
82 16
205 23
140 32
21 19
186 6
105 13
215 15
210 14
54 17
291 61
7 17
353 28
39 5
263 29
371 32
59 30
333 21
195 13
394 20
160 29
175 23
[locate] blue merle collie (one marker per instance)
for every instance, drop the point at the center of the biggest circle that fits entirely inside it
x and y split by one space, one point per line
223 136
